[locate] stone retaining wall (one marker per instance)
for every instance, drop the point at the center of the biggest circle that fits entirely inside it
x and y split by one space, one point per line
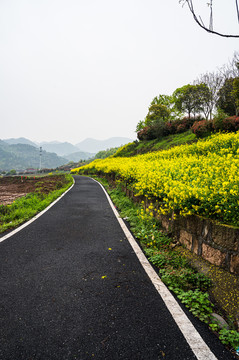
219 244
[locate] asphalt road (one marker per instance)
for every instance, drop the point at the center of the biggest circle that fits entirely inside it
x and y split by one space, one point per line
72 288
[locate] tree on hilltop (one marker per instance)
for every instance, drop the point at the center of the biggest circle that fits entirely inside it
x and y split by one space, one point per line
214 81
227 97
192 99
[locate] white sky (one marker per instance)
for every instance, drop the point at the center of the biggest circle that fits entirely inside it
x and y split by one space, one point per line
72 69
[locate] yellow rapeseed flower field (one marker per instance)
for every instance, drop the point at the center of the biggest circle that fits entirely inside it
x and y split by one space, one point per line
201 178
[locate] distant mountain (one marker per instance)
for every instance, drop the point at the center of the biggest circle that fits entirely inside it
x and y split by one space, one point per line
23 156
93 145
3 144
49 142
79 155
59 148
20 140
82 151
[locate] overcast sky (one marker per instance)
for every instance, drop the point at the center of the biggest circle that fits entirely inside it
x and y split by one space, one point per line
72 69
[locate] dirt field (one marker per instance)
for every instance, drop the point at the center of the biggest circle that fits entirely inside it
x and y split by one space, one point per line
13 187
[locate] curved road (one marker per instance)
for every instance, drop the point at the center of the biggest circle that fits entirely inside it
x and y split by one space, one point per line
72 288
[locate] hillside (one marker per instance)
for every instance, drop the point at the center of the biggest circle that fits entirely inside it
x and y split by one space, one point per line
22 156
143 147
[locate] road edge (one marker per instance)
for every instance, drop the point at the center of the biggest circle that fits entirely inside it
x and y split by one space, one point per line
13 232
193 338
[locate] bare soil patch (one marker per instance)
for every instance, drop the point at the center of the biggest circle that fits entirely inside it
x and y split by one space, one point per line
13 187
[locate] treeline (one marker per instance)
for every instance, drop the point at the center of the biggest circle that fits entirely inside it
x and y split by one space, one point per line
210 104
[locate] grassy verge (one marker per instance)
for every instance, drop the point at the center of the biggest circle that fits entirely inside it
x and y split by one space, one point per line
24 208
190 286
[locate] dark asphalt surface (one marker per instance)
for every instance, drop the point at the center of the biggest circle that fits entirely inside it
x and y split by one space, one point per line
56 305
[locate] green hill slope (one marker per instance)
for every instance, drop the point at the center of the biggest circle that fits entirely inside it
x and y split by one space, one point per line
22 156
142 147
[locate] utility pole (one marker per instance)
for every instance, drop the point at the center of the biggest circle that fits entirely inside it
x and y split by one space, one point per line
40 158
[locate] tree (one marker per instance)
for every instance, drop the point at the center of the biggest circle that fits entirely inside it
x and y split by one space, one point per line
140 125
214 81
168 101
228 93
155 120
12 172
227 99
162 100
156 113
199 21
202 98
184 99
231 69
235 93
193 99
160 109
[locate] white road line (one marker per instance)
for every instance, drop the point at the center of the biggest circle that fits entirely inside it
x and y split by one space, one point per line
194 339
36 216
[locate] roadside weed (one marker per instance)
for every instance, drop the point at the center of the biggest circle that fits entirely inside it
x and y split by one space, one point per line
198 303
229 337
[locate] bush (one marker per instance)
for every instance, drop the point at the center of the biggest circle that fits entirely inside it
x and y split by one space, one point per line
160 128
218 120
144 134
202 128
231 124
170 128
181 128
178 126
155 131
222 122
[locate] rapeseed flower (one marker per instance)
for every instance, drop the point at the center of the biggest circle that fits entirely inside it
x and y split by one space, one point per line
201 178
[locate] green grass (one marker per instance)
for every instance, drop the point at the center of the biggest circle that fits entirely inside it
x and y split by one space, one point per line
24 208
141 147
175 140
